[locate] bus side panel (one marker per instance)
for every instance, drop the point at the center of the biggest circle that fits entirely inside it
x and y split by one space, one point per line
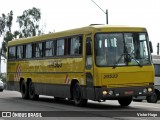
50 76
62 91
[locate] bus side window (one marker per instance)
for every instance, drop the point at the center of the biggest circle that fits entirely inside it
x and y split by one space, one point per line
28 51
20 52
49 48
60 47
12 52
38 49
88 53
76 45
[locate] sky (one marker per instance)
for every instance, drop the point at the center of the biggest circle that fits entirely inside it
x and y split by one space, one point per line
58 15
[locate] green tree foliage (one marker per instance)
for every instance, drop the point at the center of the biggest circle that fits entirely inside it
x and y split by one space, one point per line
5 30
6 22
2 24
29 23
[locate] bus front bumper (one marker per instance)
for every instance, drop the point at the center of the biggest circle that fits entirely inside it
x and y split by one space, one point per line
103 93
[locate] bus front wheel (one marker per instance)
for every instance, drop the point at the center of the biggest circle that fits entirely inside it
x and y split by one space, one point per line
32 94
152 98
125 101
24 90
77 96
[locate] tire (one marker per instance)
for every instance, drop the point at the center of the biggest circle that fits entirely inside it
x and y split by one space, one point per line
77 96
1 90
24 90
152 98
125 101
32 94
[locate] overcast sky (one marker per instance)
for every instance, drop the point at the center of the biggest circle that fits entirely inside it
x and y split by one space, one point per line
60 15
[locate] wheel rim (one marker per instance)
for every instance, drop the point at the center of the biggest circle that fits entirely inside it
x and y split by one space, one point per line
154 98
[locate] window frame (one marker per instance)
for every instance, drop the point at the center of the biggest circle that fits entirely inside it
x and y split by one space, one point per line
80 47
20 51
40 51
52 48
61 45
15 57
29 52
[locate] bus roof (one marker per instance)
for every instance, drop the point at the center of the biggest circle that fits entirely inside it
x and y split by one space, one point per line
78 31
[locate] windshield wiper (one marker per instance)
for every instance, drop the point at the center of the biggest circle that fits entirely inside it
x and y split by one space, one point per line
135 60
127 59
115 65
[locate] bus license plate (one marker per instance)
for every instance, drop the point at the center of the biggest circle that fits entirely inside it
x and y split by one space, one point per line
129 93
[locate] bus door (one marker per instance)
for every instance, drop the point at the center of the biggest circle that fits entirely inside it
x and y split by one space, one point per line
89 68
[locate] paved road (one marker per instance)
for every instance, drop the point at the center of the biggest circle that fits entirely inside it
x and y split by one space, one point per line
12 102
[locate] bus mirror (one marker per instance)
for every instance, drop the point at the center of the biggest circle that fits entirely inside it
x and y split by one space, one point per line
150 46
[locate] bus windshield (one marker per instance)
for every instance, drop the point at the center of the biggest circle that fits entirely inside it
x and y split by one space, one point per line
121 49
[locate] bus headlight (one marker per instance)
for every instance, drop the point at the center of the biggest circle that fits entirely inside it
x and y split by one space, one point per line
104 92
150 90
110 92
145 90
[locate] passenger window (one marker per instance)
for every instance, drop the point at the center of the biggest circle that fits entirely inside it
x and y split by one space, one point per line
20 52
60 47
76 45
12 52
38 50
49 48
29 51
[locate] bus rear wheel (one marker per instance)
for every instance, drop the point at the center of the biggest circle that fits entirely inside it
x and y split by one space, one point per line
24 90
125 101
32 94
77 96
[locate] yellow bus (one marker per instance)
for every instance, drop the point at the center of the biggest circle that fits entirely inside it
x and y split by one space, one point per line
97 62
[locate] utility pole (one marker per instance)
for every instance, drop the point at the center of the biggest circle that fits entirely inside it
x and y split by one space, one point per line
102 11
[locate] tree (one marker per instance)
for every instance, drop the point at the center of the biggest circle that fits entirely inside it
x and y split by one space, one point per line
29 23
2 24
5 30
6 22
